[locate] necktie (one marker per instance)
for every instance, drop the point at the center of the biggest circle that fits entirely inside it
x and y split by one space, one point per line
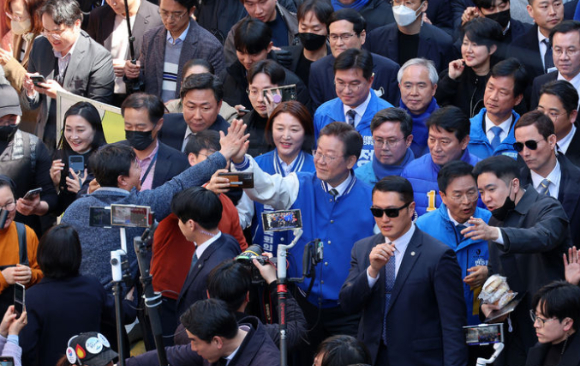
389 284
496 140
548 57
350 117
333 192
544 187
193 262
187 139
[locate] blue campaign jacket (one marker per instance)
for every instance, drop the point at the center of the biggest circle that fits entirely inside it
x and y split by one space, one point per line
469 252
422 173
479 144
269 164
374 171
333 111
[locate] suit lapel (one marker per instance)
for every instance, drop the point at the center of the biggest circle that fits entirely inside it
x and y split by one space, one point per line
424 43
161 167
568 193
410 257
207 253
141 21
393 45
159 48
75 63
188 49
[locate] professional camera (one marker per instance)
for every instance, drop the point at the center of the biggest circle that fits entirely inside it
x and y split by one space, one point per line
254 251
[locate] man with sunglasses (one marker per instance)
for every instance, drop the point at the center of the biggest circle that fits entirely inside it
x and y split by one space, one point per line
549 173
528 235
407 285
68 60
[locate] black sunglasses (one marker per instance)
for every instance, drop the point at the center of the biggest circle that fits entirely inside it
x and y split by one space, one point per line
530 144
390 212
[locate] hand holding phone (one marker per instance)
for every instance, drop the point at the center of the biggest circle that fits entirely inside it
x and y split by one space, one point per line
19 292
38 79
32 194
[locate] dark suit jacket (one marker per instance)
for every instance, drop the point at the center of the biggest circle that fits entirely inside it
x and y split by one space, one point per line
526 49
199 43
571 356
195 286
434 44
102 21
568 194
537 85
174 127
89 74
426 312
573 152
535 234
322 88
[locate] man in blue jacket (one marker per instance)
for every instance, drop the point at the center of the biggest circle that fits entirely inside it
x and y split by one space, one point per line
458 191
448 139
492 129
356 103
391 129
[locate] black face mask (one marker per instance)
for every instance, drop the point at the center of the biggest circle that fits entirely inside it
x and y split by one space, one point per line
312 41
503 18
6 132
501 213
139 140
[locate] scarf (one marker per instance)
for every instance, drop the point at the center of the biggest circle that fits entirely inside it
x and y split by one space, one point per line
357 5
382 171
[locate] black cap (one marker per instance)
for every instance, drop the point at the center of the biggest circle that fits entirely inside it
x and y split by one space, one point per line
91 349
9 102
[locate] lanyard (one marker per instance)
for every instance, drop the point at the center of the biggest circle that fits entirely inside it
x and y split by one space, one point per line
150 166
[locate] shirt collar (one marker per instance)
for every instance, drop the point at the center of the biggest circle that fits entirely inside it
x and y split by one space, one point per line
554 176
179 39
565 142
507 28
402 242
575 80
341 188
505 125
455 222
541 37
245 328
150 156
201 248
360 109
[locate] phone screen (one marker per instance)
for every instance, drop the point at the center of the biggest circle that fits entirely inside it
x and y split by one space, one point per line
6 361
18 299
483 334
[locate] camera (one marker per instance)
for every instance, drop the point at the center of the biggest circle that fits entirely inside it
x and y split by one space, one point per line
117 260
254 251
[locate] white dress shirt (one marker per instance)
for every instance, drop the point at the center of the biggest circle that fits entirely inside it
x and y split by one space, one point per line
575 82
360 110
564 144
201 248
554 177
505 128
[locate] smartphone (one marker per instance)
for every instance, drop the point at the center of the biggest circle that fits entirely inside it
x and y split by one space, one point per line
100 217
483 334
3 216
239 180
30 195
131 216
281 220
77 163
280 94
18 299
37 79
6 361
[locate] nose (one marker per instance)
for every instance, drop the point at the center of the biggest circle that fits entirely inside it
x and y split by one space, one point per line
493 95
551 9
197 113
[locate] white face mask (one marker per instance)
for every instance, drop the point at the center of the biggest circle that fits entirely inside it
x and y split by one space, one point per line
21 27
405 16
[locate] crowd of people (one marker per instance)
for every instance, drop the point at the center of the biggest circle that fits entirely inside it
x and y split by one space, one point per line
427 146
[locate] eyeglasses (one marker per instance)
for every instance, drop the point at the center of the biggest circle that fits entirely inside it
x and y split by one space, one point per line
553 115
340 86
10 206
530 144
390 212
534 317
390 143
570 52
55 34
470 195
169 15
326 158
16 18
344 37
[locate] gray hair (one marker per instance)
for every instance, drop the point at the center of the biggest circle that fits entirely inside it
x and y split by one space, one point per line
430 65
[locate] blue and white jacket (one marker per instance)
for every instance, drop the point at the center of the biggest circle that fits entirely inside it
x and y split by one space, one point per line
479 144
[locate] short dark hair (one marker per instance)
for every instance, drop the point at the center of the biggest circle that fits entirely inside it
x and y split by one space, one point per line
451 119
341 350
322 10
503 167
560 300
564 91
543 123
202 82
188 4
355 58
483 31
230 281
252 36
206 139
359 23
486 4
87 111
513 68
351 138
298 111
450 171
565 27
198 62
110 162
59 252
198 204
65 12
269 67
393 115
152 103
395 183
6 181
210 318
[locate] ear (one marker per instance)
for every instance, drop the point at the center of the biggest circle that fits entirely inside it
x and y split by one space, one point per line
573 116
425 6
218 341
412 209
408 141
270 45
121 181
158 126
516 184
372 78
247 297
219 105
192 159
464 142
493 48
530 11
192 10
568 325
442 195
363 36
519 99
351 161
434 90
77 24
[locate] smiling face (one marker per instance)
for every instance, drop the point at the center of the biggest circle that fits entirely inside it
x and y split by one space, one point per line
417 91
61 37
444 146
351 86
79 134
343 37
288 136
475 55
260 82
333 167
393 227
